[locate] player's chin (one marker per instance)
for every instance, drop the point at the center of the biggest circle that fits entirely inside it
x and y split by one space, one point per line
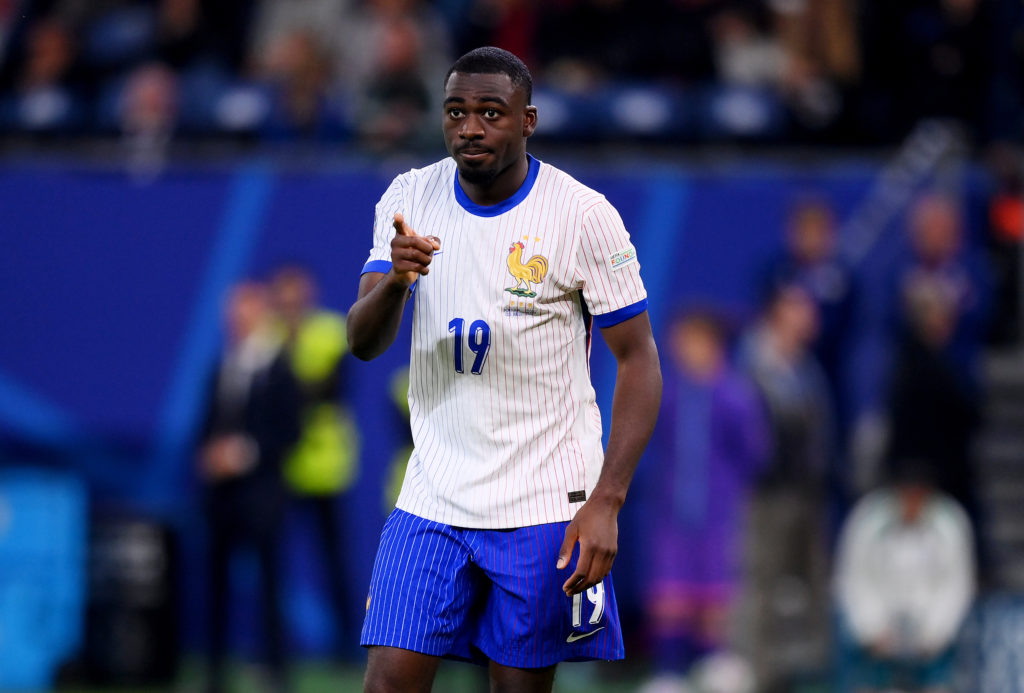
476 172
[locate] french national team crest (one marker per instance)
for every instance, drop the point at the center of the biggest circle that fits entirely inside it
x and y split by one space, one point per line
528 273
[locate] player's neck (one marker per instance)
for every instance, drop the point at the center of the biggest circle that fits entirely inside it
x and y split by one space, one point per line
502 187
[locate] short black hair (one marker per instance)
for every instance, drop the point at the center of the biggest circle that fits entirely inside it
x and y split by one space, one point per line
490 60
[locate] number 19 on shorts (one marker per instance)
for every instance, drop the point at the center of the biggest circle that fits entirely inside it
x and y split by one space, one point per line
595 595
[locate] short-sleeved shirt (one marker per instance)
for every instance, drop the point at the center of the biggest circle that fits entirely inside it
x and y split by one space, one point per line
504 418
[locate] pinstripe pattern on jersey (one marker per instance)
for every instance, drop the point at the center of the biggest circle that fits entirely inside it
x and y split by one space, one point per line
505 448
472 594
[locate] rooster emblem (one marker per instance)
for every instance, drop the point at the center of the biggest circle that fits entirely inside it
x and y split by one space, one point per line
525 273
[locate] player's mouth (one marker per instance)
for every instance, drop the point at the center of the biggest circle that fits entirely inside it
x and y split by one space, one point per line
474 153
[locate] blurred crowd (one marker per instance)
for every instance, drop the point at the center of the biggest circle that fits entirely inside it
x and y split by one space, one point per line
779 553
368 71
275 441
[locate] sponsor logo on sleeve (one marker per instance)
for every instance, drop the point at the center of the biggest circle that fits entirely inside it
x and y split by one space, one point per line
622 258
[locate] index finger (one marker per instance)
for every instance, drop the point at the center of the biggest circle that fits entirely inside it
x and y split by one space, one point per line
401 228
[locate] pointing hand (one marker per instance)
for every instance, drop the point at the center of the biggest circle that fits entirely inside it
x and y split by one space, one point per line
411 253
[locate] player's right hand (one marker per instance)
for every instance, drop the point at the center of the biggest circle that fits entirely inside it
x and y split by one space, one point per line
411 253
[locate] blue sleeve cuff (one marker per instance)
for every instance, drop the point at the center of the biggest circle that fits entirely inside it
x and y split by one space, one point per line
620 315
382 266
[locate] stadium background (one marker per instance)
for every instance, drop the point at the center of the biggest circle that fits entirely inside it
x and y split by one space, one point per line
117 248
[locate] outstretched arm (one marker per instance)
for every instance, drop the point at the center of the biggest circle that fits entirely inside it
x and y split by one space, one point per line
634 412
374 318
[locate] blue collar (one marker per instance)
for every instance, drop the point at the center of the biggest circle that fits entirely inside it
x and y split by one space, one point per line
505 205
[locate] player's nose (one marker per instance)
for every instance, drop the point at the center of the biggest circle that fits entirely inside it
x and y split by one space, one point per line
471 128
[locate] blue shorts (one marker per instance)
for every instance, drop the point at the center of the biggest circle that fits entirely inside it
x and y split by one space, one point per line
484 594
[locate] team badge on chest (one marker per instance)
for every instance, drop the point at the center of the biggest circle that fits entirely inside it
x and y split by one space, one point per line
526 273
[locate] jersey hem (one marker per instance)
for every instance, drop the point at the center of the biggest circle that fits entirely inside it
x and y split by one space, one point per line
570 513
620 315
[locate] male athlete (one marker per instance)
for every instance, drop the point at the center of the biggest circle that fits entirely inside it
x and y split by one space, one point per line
509 261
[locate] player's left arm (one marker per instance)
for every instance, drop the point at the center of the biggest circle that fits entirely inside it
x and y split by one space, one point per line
634 412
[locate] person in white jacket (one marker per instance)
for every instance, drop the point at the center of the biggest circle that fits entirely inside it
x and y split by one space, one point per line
904 583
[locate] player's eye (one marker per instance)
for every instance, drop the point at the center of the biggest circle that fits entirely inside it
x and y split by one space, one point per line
491 113
454 112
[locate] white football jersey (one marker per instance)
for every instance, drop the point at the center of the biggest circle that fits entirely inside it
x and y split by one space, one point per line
505 423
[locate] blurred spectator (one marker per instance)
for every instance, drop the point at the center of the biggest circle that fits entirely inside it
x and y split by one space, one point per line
932 414
297 67
811 260
148 116
47 88
777 354
295 48
251 424
322 465
788 558
940 262
394 52
51 55
274 19
822 60
904 583
714 444
746 52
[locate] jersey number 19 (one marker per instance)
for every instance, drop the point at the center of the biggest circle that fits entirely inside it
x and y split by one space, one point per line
479 342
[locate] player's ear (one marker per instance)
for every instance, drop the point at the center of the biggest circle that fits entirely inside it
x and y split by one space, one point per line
529 120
